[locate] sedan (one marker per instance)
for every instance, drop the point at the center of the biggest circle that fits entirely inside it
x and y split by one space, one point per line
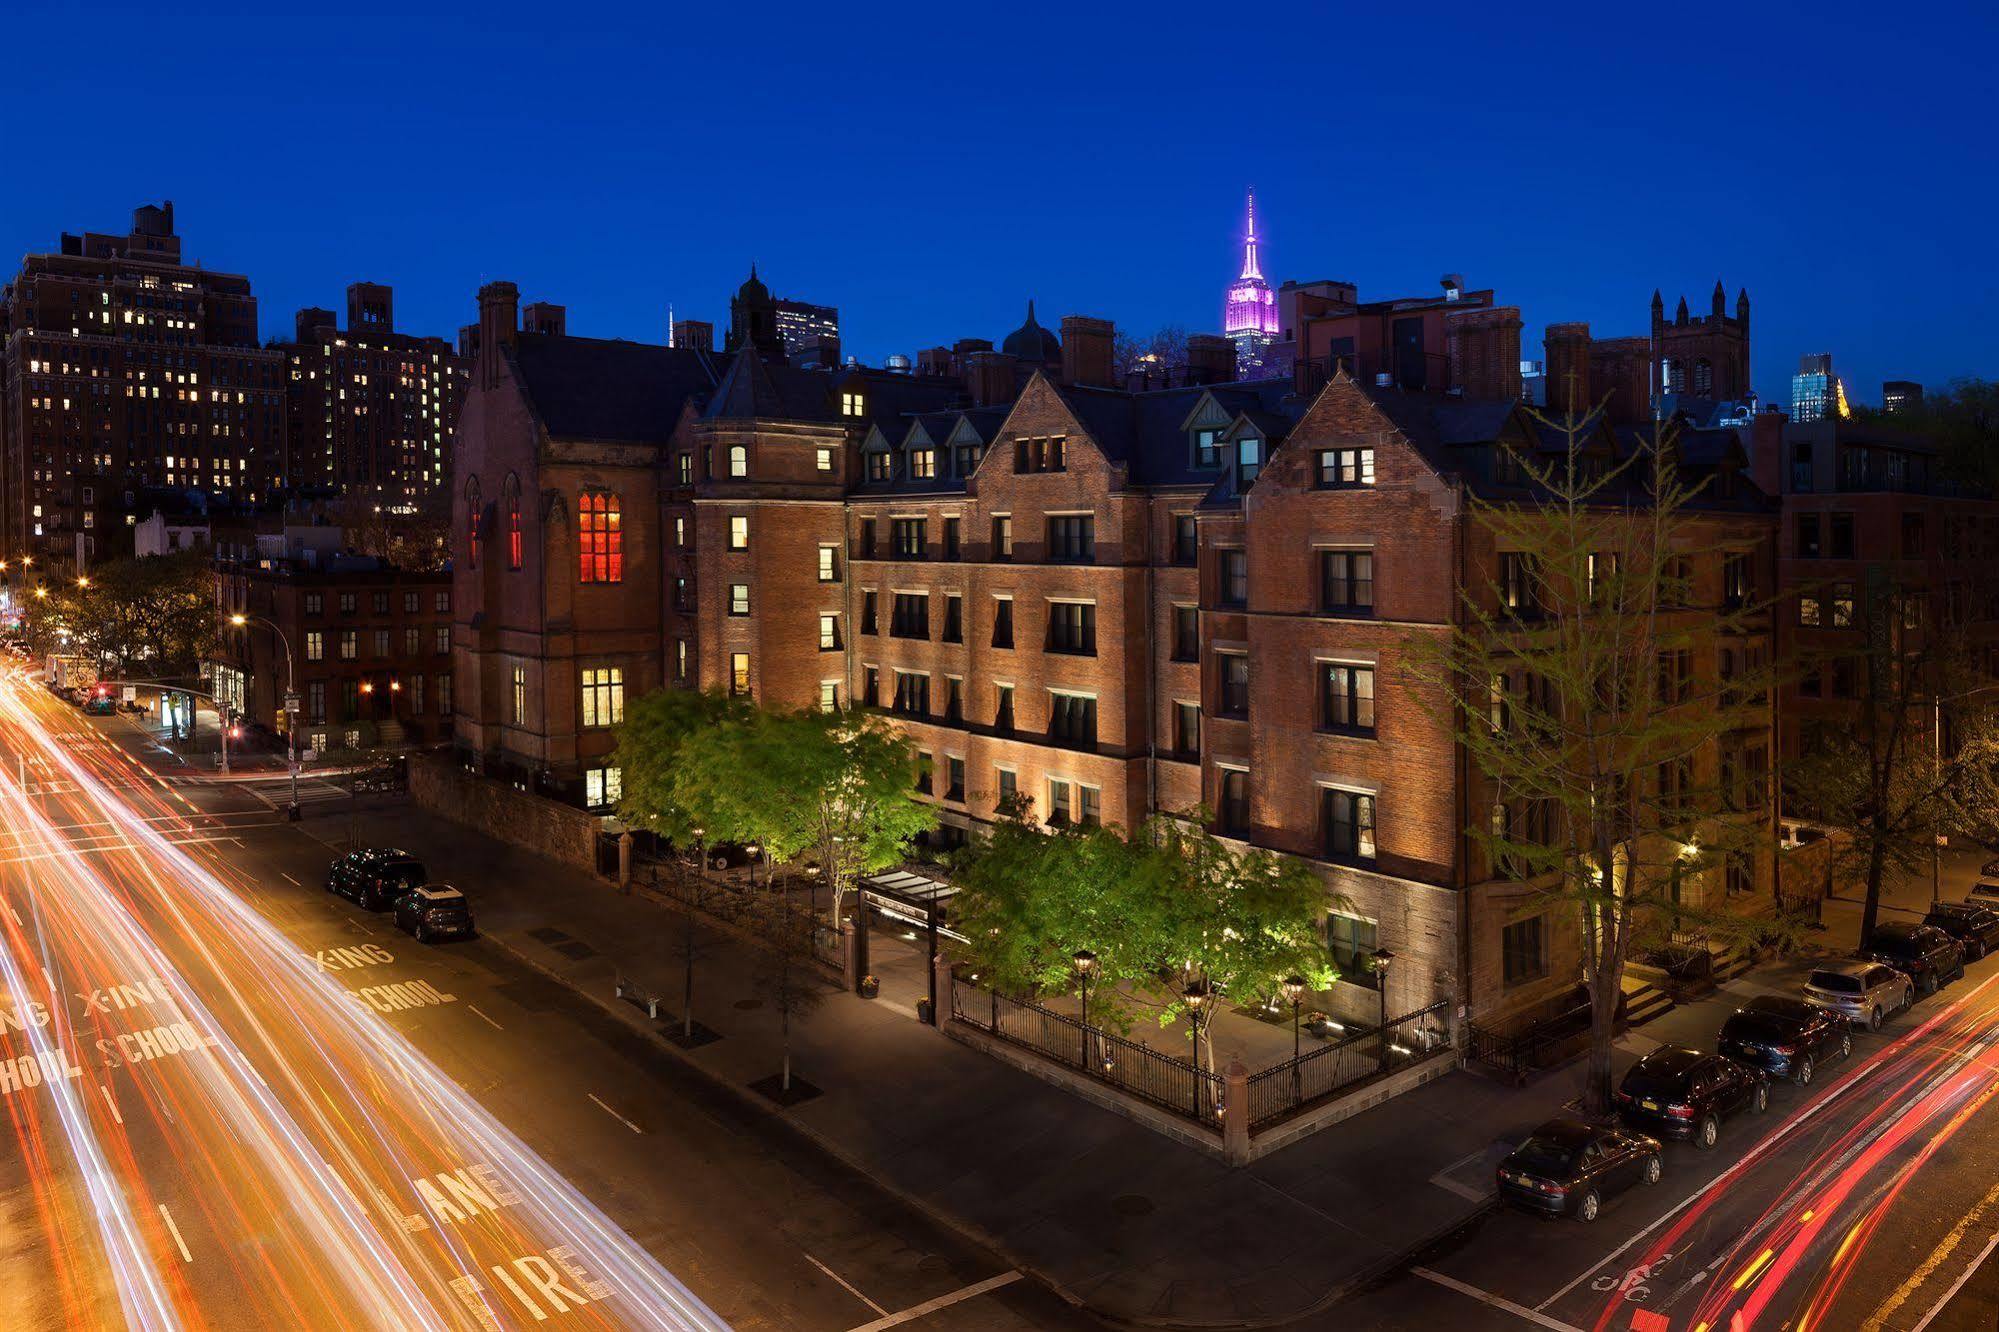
1974 926
1568 1167
1786 1038
1677 1092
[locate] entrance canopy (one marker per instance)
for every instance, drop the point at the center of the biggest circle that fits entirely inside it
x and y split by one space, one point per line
912 898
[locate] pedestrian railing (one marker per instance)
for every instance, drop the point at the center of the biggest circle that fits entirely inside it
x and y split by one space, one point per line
739 906
1175 1085
1278 1092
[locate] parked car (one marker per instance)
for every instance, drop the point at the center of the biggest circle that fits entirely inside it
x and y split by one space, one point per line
1863 992
1567 1168
386 777
434 911
1784 1037
1925 954
1974 925
1984 891
375 877
1678 1092
1990 869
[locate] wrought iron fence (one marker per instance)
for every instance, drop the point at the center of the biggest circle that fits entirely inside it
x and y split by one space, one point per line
1172 1084
738 906
1285 1089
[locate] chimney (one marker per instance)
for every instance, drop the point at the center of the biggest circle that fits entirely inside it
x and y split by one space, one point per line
499 325
989 378
1210 359
1766 451
1086 350
545 317
1566 347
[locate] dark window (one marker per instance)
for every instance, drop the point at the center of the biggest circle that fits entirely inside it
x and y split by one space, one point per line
1072 719
908 538
1208 448
926 765
1517 594
954 618
1072 539
1002 538
954 779
1341 469
1808 536
1003 709
1187 730
953 527
1523 952
1410 366
1841 540
1346 820
1346 581
909 617
954 698
912 694
1089 806
1058 801
1234 811
1002 622
867 538
1038 455
1235 577
1072 627
1738 581
1186 633
1353 942
1186 540
1913 543
1235 684
1676 675
1346 697
868 612
1009 789
870 686
1801 469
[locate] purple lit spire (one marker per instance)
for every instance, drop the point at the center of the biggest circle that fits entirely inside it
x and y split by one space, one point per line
1249 309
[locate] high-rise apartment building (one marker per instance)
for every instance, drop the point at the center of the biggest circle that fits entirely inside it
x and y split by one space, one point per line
1901 395
371 410
1816 392
126 369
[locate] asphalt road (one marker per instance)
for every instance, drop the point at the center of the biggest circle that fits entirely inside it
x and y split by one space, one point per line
240 1102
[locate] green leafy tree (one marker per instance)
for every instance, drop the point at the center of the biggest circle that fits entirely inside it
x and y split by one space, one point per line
1583 696
659 731
151 618
855 771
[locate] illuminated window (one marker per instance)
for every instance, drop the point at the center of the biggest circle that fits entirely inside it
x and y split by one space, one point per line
603 690
739 532
603 786
739 460
315 645
600 536
520 696
514 550
739 672
852 404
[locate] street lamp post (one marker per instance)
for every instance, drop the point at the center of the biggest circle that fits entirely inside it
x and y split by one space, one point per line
687 937
1085 962
1294 990
1382 957
291 701
1195 995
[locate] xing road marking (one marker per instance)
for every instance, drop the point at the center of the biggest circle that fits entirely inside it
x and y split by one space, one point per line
614 1114
846 1285
111 1101
1486 1297
916 1311
168 1217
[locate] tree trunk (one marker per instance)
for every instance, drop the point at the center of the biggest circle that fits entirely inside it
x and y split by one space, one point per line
1605 991
1870 911
784 1020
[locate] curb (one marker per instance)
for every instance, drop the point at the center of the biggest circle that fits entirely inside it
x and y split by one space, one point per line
964 1230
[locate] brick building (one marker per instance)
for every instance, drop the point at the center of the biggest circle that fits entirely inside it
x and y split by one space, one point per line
1456 341
370 411
371 646
1108 602
124 368
1690 359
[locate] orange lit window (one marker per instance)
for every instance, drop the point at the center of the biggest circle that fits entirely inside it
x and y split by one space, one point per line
513 530
601 538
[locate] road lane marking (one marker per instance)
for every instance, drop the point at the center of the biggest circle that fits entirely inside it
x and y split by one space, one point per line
1486 1297
614 1114
1442 1179
185 1256
289 879
916 1311
846 1285
1958 1284
112 1102
1948 1245
489 1022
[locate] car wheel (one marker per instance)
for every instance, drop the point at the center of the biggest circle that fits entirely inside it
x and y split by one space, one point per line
1874 1019
1845 1044
1805 1071
1654 1170
1927 987
1587 1209
1707 1133
423 934
1760 1100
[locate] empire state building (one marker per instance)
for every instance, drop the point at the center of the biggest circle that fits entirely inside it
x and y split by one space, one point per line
1249 310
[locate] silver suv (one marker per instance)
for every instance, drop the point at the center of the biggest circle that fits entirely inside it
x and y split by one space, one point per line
1860 991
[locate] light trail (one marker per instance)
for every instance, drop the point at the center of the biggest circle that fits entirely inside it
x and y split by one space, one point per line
318 1127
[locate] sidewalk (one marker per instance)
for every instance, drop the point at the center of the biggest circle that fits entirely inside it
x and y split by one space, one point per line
1129 1223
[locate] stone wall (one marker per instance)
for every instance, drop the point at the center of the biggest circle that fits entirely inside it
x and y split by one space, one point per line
558 831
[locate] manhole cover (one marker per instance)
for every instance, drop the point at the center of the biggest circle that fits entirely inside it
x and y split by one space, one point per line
1131 1204
747 1004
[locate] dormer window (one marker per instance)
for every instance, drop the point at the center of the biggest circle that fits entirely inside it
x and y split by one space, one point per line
852 404
881 466
923 464
1249 460
1208 448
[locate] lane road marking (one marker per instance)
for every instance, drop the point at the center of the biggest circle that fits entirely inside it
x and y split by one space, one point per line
168 1217
1485 1297
614 1114
846 1285
973 1291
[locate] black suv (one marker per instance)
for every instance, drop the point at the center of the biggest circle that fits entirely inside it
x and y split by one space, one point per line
1924 953
1784 1037
1974 925
1675 1092
375 877
1567 1168
434 911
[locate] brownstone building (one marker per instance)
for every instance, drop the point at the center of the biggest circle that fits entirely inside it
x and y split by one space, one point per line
371 411
123 369
370 645
1698 359
1107 602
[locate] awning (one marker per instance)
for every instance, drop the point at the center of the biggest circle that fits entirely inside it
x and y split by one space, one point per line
913 898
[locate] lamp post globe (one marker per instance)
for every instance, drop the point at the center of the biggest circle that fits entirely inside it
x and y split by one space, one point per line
1381 958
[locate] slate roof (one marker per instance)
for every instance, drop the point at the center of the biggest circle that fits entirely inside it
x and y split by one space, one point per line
594 388
1143 430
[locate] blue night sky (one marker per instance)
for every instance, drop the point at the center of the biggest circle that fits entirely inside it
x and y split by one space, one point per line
927 168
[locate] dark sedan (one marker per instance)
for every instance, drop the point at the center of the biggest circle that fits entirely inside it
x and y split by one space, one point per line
1974 925
1926 955
1568 1168
1786 1038
1676 1092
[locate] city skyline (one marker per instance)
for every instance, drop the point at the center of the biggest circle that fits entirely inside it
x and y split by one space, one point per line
538 189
